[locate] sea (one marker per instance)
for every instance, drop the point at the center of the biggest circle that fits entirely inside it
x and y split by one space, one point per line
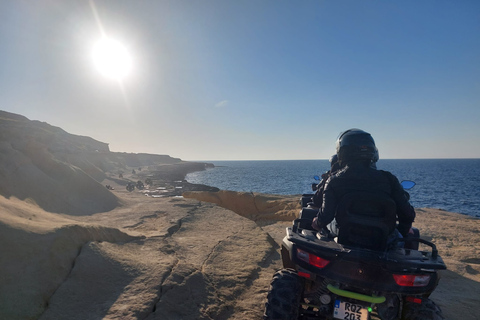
448 184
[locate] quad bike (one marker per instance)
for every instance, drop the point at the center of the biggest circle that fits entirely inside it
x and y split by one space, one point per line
357 275
140 185
130 186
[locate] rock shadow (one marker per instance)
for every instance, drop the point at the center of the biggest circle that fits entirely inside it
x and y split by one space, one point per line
92 271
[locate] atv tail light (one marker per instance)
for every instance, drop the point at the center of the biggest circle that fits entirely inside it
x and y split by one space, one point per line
414 300
411 280
311 259
304 274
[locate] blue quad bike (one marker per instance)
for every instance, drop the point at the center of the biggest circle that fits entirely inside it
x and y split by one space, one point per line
357 275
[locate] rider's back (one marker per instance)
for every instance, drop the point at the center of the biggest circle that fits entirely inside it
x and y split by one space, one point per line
360 177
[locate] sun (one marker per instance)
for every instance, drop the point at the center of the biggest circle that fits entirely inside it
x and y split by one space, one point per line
112 59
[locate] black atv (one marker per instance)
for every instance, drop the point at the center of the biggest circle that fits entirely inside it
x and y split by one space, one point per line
130 186
358 275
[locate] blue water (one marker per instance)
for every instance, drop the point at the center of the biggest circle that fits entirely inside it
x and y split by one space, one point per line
448 184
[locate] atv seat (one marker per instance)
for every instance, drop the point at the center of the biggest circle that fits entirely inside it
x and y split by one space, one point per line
365 220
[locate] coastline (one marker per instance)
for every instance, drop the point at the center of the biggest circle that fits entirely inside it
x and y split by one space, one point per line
144 257
452 192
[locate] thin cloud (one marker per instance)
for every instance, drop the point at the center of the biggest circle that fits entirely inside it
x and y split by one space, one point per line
222 103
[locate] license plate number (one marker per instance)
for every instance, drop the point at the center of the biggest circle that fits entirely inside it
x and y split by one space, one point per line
349 311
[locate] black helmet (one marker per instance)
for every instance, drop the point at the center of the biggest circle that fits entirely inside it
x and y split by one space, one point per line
356 145
334 163
333 159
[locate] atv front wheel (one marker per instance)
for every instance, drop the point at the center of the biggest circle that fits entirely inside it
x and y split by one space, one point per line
283 300
427 310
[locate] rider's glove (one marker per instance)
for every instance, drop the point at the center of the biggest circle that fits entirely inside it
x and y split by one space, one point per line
404 228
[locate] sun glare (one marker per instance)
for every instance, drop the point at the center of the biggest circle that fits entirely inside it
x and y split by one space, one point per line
112 59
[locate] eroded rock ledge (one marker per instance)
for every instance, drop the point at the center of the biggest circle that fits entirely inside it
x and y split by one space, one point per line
254 206
153 258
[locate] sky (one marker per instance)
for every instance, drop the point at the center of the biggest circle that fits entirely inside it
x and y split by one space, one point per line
250 79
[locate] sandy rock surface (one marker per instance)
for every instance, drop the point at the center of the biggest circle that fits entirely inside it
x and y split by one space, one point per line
152 258
180 258
456 236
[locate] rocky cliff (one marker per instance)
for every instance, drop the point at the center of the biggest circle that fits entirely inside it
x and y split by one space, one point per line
62 173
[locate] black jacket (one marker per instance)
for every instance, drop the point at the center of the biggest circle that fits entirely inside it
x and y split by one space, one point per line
360 177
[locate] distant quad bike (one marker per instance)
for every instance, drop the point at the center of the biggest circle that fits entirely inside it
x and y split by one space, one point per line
130 186
140 185
355 276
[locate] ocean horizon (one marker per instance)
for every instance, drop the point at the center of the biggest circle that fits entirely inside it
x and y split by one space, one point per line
447 184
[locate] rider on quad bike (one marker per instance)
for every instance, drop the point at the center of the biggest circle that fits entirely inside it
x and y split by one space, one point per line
360 269
357 155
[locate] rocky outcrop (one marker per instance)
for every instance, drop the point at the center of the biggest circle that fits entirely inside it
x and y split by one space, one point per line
164 258
22 132
34 173
38 252
62 172
150 258
254 206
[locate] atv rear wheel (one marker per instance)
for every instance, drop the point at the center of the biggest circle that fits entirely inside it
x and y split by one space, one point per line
427 310
283 300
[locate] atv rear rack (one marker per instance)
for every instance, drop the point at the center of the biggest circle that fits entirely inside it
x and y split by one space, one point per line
398 258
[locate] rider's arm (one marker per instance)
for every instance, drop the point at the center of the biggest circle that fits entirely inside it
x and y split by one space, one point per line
318 196
405 212
329 205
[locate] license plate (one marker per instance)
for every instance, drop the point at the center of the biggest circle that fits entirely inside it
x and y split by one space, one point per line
349 311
